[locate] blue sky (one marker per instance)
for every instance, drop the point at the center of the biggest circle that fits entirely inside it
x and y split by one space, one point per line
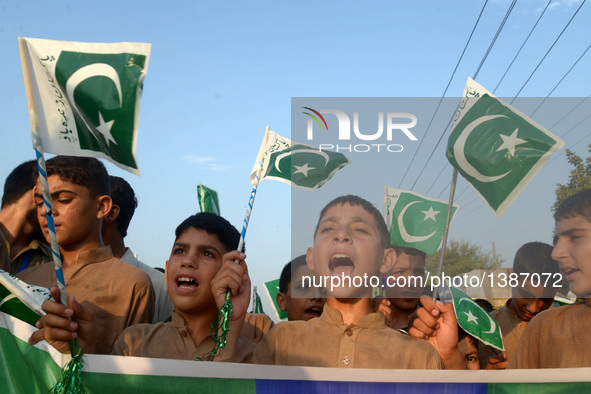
219 72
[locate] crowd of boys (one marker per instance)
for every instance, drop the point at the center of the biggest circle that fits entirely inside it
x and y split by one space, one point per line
118 305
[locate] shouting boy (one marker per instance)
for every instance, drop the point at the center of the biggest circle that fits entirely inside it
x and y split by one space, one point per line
200 270
350 240
298 301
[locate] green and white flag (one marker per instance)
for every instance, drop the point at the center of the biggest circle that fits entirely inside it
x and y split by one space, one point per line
475 320
20 299
415 221
257 304
299 165
496 148
84 97
272 288
208 199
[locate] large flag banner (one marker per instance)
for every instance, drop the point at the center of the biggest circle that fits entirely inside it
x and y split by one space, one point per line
35 369
272 288
208 199
299 165
475 320
84 97
416 221
496 148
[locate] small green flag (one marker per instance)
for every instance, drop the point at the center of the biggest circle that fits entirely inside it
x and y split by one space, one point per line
299 165
208 199
496 148
272 288
20 299
475 320
257 306
84 97
416 221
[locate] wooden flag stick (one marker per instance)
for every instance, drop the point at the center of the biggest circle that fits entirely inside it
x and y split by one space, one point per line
452 191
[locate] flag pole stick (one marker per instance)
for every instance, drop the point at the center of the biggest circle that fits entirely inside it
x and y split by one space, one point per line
452 192
226 310
253 194
55 248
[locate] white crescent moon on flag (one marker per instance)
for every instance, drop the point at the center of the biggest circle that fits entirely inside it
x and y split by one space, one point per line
459 147
82 74
490 319
404 234
281 156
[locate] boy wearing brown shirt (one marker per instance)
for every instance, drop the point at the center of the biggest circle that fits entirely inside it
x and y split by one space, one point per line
559 337
532 260
350 240
119 295
200 270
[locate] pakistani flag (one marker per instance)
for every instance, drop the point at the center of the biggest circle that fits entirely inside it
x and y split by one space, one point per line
296 164
20 299
497 148
475 320
272 288
416 221
208 199
84 97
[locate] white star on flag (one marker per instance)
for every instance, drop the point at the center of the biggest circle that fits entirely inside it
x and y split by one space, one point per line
510 141
105 129
303 169
430 214
471 317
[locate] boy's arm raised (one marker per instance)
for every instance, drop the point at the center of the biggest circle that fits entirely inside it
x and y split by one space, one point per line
234 277
57 328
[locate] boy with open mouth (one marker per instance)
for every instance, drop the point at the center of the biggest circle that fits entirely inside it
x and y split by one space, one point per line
351 240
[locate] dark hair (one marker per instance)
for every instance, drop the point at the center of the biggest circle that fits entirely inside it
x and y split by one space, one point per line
83 171
410 251
579 204
213 224
463 334
21 180
123 196
484 304
535 257
285 278
358 201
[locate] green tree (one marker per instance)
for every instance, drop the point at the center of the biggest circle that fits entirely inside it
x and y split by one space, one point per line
579 179
462 257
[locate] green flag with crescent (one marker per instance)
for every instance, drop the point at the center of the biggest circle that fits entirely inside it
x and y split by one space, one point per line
272 289
496 148
84 97
476 321
299 165
208 199
415 221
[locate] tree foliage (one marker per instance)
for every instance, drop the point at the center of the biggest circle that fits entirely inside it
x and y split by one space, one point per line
461 257
579 179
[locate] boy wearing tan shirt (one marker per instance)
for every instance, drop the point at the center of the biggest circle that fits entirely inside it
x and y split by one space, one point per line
118 294
200 270
351 240
559 337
